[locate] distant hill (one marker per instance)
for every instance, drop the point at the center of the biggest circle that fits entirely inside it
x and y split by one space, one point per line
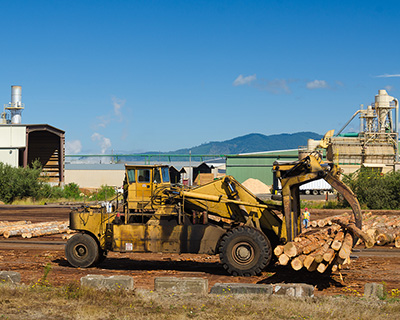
254 142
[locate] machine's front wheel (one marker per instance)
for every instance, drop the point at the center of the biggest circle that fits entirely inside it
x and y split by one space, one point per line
245 251
82 251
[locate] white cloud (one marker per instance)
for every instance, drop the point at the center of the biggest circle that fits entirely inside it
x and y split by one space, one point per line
240 80
118 104
103 121
103 142
276 86
317 84
389 88
73 147
388 76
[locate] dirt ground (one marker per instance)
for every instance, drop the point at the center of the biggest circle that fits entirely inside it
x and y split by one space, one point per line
30 256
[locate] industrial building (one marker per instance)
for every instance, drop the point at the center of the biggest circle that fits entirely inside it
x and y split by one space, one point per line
374 145
257 165
93 176
21 144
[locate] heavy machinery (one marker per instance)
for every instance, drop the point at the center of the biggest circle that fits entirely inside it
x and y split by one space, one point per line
221 217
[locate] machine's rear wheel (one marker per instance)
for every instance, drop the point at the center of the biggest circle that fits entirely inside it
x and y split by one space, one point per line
82 251
245 251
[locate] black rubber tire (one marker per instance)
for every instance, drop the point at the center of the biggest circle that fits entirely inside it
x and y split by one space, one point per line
82 251
245 251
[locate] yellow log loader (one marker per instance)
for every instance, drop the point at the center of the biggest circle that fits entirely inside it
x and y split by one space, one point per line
221 217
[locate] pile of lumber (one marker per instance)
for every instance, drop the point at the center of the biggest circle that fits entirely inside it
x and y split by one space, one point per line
323 250
26 229
382 229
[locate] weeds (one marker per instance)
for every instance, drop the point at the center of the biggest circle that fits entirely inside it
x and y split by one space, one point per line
43 282
74 302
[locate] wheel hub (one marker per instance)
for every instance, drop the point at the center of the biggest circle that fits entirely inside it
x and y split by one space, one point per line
243 253
80 251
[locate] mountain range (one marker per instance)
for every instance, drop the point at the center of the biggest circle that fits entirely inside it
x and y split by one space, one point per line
254 142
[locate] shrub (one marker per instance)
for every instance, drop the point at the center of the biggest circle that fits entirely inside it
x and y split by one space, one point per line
20 182
375 190
105 192
71 191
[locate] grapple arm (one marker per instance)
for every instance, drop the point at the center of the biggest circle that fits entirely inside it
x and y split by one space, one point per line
293 175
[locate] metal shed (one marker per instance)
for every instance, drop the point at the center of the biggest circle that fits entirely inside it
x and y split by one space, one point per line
257 165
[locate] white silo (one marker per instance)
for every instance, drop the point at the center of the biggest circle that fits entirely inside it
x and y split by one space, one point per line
15 106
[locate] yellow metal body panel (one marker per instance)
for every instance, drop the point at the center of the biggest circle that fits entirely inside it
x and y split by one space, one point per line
155 236
229 199
93 221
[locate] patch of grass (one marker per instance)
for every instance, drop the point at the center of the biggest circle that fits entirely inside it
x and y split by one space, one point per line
74 302
322 204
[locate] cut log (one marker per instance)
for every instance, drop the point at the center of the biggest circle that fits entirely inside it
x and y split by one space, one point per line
345 250
293 249
314 223
329 254
337 241
397 241
369 243
298 262
384 238
283 259
323 266
313 246
39 228
278 250
319 257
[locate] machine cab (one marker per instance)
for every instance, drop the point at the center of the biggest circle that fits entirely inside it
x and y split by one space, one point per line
140 183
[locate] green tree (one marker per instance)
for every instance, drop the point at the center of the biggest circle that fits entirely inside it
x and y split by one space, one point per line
375 190
105 193
19 182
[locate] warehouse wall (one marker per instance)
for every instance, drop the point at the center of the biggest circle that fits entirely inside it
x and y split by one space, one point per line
257 166
95 175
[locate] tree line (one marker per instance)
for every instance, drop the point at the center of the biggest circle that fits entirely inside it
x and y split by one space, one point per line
29 182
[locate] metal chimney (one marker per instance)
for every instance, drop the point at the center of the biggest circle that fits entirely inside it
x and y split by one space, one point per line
16 106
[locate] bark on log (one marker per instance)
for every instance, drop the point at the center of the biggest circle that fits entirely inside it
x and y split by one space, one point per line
369 243
319 257
384 238
55 226
345 250
337 241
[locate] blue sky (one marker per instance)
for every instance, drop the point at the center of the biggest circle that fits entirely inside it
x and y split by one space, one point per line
135 76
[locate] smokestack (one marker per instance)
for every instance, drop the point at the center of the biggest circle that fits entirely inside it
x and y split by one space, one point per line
16 105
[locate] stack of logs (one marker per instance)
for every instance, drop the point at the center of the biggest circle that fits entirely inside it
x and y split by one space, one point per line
327 248
382 229
26 229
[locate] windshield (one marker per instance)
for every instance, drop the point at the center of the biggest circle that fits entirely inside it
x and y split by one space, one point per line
165 174
143 175
131 175
157 177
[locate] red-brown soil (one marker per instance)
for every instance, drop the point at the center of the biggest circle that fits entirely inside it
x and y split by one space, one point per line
30 256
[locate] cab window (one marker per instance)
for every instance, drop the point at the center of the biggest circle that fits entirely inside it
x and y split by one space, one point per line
165 174
131 175
157 176
144 175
